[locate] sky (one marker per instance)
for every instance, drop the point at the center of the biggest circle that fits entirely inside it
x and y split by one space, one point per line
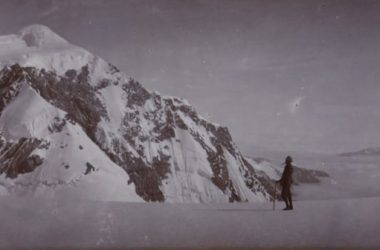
282 75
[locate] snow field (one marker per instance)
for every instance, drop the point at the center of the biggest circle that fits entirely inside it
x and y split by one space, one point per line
78 223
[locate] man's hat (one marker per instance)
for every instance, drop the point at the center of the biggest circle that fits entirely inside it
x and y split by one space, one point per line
288 159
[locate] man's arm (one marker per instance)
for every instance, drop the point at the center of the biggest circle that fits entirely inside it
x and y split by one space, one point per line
282 176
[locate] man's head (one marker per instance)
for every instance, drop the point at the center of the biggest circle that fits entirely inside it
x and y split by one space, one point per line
288 159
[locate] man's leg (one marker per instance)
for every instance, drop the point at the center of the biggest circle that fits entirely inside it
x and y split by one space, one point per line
290 200
284 197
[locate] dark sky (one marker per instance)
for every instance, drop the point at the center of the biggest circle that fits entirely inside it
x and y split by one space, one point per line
284 75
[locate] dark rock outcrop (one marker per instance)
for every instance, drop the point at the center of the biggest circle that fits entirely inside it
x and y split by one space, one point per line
15 158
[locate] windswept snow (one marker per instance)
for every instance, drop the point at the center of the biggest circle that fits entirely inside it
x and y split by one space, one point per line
350 223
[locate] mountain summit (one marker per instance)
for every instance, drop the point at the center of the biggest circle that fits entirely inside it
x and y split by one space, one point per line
39 47
40 36
72 123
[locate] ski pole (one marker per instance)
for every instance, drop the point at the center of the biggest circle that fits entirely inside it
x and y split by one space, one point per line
274 197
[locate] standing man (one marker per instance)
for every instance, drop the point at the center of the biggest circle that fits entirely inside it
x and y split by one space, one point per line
286 182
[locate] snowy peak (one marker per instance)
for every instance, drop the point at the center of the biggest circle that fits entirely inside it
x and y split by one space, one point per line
37 35
39 47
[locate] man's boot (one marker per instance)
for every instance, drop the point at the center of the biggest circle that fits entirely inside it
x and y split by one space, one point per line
287 205
290 203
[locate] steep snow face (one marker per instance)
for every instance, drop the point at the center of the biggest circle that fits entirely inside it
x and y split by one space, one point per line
77 118
173 154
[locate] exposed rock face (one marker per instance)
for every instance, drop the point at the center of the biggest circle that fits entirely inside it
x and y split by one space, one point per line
16 157
10 82
147 141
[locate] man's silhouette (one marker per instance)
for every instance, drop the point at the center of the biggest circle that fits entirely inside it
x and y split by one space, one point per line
286 183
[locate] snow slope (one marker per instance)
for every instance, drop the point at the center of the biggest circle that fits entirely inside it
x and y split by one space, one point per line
265 166
64 111
348 223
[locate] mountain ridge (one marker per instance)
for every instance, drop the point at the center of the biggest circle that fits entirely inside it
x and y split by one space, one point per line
370 151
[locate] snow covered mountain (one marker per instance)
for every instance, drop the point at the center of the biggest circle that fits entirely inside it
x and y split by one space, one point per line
72 123
268 172
300 175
